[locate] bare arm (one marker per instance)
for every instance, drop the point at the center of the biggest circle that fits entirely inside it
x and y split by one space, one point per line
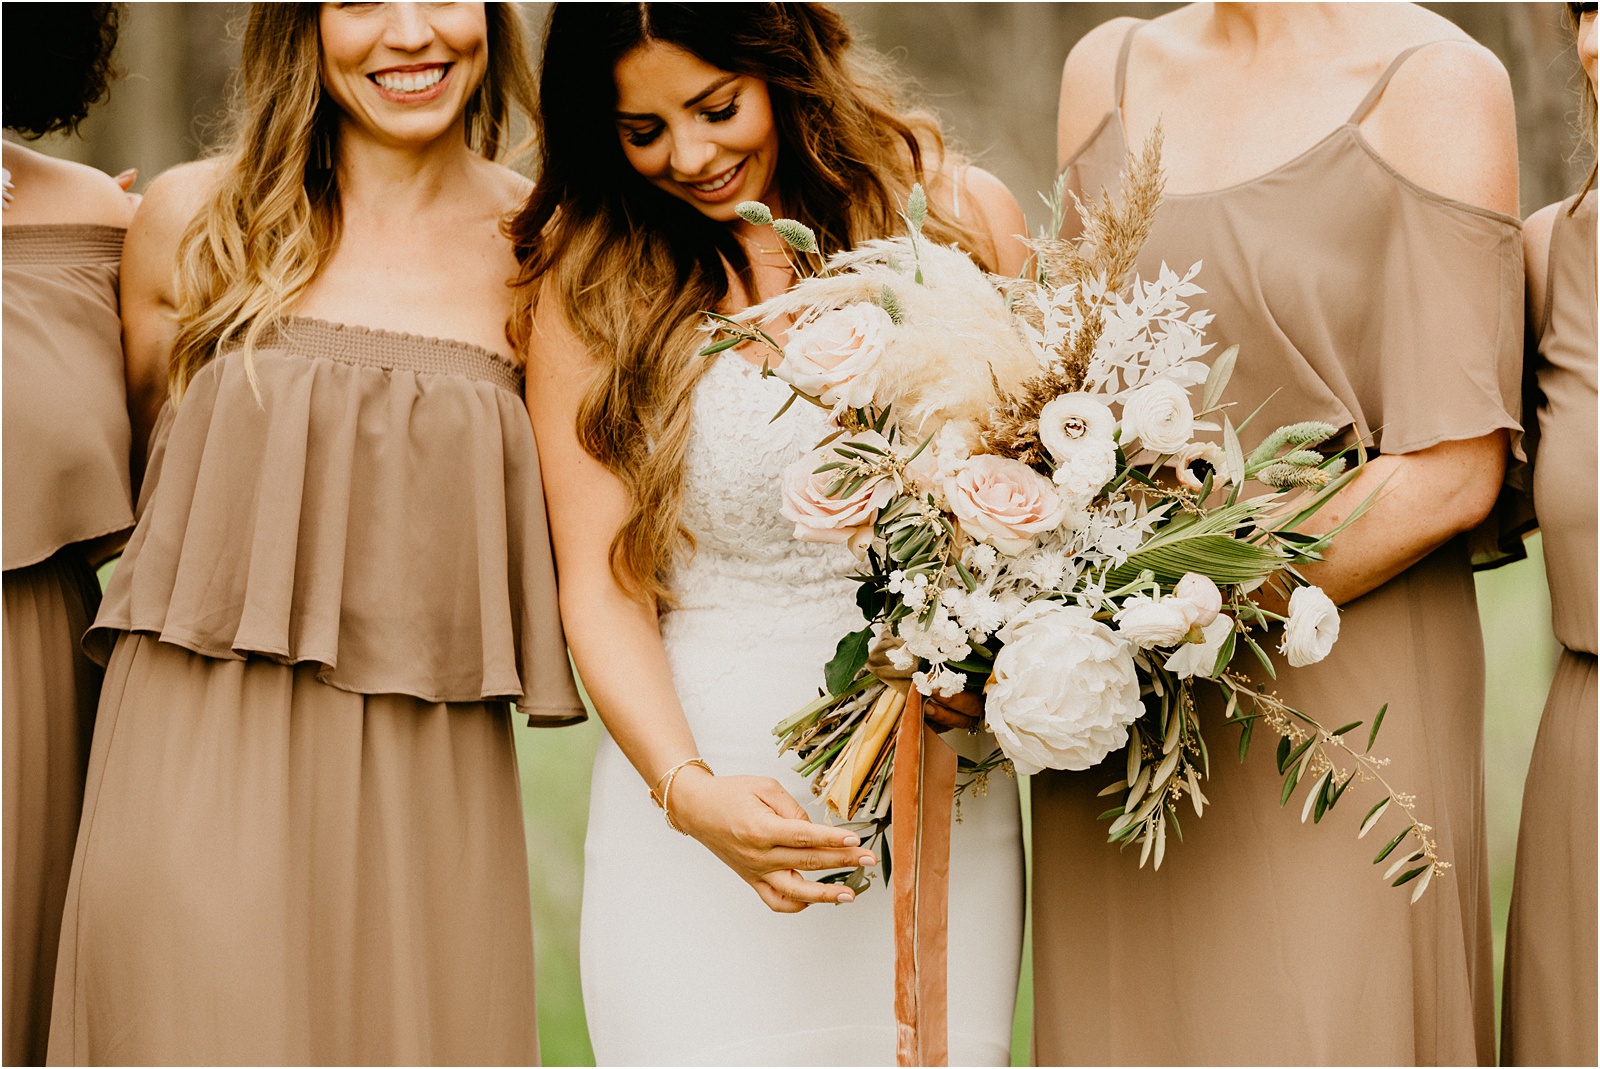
149 294
1088 80
1446 122
749 822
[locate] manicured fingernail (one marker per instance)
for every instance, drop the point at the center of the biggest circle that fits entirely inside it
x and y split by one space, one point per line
852 840
866 859
846 897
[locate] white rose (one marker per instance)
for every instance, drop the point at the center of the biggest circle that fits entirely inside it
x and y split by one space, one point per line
1312 629
1064 689
1147 622
1002 501
820 518
832 357
1203 594
1200 658
1159 415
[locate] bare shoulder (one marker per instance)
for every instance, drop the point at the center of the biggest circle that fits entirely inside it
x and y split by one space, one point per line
510 187
77 193
174 199
1088 85
1447 122
1536 232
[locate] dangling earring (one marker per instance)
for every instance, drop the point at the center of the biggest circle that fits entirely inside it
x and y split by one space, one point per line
321 148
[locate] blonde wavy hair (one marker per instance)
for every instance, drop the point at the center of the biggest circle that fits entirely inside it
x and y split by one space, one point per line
274 221
633 268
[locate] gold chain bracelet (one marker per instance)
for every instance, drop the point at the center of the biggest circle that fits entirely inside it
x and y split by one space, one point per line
661 793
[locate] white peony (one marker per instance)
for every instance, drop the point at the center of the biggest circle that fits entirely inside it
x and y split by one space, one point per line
832 357
1147 622
1064 689
1159 415
1200 658
1203 594
1312 629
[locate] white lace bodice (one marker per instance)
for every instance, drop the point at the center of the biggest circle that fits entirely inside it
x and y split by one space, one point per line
737 454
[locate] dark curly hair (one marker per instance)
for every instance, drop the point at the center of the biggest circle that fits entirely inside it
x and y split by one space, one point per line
57 63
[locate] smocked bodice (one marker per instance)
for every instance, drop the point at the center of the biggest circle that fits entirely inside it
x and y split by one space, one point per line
66 417
371 502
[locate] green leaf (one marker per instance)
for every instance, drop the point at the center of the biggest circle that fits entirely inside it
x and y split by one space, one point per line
793 396
1217 379
1261 655
1322 795
1284 746
1374 815
1233 454
720 346
1413 874
848 660
1348 727
1289 785
1244 738
1377 722
1390 845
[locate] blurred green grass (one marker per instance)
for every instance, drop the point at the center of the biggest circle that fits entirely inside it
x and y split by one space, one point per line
1515 608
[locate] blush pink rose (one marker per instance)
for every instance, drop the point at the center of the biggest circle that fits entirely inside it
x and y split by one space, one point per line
1003 502
832 357
841 520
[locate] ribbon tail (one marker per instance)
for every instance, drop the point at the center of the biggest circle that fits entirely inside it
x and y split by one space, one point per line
923 796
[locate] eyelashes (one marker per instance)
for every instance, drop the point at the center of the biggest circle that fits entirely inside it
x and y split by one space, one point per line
641 139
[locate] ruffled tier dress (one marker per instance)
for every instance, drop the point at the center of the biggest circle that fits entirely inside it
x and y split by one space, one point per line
1361 299
302 837
66 485
1550 991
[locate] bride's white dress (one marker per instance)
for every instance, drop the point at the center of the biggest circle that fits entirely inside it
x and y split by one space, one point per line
682 964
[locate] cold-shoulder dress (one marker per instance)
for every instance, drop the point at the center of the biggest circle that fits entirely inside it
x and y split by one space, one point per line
66 487
1548 1015
1363 300
302 837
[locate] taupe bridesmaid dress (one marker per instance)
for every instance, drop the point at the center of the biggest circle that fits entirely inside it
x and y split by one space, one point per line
1395 313
1550 987
302 838
66 485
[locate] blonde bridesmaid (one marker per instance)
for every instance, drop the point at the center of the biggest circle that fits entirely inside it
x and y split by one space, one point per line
1348 175
1548 1015
302 836
68 504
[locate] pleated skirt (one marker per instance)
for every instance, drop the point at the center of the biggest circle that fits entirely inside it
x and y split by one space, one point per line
273 871
50 693
1549 994
1265 941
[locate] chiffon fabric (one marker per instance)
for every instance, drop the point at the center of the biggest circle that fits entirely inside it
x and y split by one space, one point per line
1550 990
302 837
66 485
1361 299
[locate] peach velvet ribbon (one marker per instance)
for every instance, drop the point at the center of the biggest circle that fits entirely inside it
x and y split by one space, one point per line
923 796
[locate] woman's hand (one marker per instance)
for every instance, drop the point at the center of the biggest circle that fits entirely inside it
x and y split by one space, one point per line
962 712
761 833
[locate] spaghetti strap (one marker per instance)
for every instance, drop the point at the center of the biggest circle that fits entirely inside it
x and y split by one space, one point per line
1122 62
1371 99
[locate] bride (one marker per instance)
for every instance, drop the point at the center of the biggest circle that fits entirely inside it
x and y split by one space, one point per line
694 618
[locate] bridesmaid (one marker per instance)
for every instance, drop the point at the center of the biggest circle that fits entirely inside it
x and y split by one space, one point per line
67 499
302 838
1548 1017
1348 174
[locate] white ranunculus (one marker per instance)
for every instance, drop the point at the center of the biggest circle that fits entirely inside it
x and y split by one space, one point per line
1312 629
1203 594
1064 689
1148 623
1072 421
1159 415
1200 658
832 357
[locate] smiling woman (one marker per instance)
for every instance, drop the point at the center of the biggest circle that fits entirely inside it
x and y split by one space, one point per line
302 839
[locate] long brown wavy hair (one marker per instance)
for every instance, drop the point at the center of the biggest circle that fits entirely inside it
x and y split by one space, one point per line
1587 113
274 220
633 268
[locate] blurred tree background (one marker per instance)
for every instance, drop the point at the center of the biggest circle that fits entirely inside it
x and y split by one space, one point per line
991 70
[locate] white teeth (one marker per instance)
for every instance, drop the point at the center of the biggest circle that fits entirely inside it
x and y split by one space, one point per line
712 187
409 81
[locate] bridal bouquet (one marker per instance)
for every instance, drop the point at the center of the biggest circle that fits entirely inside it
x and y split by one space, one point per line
1014 463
